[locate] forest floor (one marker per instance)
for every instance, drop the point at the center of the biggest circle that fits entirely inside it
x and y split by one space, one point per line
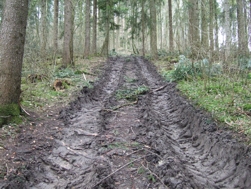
131 130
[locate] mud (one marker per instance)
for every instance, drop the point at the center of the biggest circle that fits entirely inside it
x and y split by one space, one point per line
156 140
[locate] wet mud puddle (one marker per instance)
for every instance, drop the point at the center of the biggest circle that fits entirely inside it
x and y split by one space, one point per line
133 130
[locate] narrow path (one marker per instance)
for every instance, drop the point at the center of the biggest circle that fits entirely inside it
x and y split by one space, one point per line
151 139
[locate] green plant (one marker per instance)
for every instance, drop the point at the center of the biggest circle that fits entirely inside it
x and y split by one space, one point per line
131 94
130 80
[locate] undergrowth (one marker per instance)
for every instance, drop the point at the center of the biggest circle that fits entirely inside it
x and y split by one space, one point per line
40 93
226 94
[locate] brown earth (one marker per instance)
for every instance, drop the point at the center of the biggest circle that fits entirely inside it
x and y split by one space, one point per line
156 140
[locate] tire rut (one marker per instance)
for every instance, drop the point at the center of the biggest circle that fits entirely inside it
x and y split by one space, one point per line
155 139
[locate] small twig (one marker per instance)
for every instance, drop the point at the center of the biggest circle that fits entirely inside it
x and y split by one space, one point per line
134 152
84 77
155 175
127 104
156 90
133 131
7 170
24 110
153 153
109 110
4 116
119 170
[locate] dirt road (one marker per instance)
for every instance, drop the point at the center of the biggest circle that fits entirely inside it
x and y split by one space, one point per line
133 130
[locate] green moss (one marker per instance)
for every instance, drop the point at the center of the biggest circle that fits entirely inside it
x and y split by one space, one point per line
10 114
10 110
247 107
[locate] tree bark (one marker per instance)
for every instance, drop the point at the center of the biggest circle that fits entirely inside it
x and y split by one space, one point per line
249 29
105 47
44 26
216 26
204 25
12 39
211 28
153 29
67 58
242 38
87 29
194 37
170 25
143 26
227 29
55 26
94 37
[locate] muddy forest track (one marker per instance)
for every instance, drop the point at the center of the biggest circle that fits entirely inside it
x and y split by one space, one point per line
156 139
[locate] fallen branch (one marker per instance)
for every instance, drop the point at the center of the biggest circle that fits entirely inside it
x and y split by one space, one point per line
156 90
123 105
4 116
155 175
118 170
88 73
24 110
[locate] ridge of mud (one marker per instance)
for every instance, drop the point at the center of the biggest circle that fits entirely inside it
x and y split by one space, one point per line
159 140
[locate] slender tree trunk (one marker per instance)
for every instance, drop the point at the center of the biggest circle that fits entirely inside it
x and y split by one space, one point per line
194 37
94 36
12 39
170 25
55 26
211 28
143 25
87 29
242 39
68 34
44 26
204 25
249 29
216 27
118 34
227 29
105 48
153 30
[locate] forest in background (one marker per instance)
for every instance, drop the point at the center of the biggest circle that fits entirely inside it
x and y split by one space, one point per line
203 29
202 45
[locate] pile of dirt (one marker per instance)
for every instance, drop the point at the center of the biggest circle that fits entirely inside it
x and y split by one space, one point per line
157 139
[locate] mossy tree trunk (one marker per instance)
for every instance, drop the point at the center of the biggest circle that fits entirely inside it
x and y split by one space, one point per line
12 39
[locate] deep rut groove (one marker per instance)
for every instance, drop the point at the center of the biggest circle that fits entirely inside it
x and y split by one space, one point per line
158 141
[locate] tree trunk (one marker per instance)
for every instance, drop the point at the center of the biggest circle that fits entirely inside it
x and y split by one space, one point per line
153 29
55 26
249 29
68 34
242 38
170 25
211 28
118 34
44 26
87 29
204 25
12 39
105 48
194 37
216 27
94 36
227 30
143 26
